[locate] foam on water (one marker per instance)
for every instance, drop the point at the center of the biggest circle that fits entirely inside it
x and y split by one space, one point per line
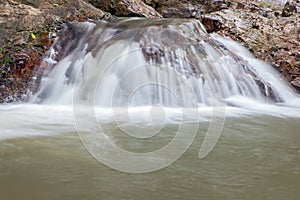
28 120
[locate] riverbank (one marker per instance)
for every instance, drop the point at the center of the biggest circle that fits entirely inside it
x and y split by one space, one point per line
272 35
29 28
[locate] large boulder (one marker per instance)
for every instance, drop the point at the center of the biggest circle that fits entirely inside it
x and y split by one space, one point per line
126 8
186 8
27 32
160 8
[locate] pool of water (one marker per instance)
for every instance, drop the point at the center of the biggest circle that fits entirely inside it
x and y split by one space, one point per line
256 157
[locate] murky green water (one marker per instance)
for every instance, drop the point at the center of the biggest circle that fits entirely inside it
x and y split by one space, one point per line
255 158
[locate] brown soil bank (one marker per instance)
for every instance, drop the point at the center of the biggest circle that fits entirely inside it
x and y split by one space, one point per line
28 28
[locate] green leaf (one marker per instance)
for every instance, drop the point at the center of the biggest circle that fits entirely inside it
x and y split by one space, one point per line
6 60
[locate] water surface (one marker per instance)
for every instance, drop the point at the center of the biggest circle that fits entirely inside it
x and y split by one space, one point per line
256 157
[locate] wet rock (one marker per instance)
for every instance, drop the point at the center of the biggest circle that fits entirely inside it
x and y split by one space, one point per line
182 10
126 8
296 83
185 8
211 23
289 9
136 7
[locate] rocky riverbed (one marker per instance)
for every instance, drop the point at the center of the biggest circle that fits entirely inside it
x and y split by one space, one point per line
29 27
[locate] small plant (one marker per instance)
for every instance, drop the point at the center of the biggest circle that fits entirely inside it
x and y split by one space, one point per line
55 5
5 60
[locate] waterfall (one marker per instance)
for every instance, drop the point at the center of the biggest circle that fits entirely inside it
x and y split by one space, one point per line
147 79
145 62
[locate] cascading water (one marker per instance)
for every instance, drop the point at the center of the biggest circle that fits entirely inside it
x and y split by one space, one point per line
168 62
151 71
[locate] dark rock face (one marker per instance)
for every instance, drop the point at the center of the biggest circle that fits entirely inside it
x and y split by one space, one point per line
185 8
211 23
289 9
159 8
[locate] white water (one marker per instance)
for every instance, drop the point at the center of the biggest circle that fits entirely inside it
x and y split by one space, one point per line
150 72
114 70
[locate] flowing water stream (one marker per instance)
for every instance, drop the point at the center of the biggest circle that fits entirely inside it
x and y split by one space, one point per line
197 112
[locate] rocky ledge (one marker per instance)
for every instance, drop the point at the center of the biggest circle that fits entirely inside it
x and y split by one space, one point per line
271 32
29 27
